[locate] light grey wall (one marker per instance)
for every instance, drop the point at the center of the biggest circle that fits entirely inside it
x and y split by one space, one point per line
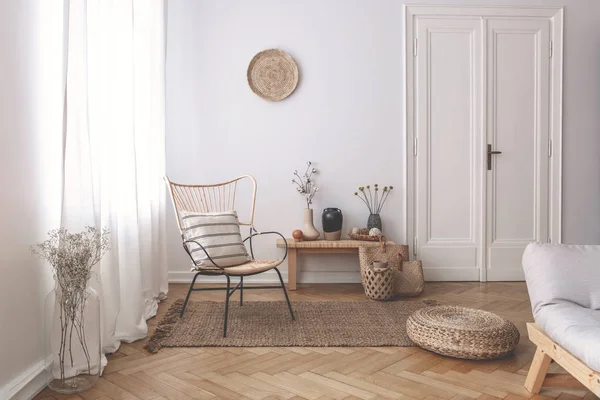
346 114
30 154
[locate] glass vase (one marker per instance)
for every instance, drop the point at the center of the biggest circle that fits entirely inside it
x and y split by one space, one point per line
72 339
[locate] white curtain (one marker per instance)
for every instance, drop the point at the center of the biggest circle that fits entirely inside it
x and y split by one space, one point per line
114 155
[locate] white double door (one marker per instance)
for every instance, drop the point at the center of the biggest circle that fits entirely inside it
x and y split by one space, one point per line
481 131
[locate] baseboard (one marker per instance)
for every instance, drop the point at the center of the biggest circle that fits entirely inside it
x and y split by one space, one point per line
271 277
506 275
26 385
329 277
451 274
186 277
431 275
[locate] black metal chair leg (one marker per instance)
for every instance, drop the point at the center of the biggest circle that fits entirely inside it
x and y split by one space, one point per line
226 305
285 293
241 291
188 296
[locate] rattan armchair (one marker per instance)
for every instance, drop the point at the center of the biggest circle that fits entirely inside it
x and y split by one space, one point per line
221 197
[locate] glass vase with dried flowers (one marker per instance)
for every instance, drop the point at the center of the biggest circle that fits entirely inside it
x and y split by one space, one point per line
374 200
307 188
73 343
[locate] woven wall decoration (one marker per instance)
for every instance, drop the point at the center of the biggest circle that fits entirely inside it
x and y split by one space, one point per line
273 74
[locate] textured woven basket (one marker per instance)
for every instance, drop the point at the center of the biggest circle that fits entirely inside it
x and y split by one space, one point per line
408 277
462 332
393 254
273 74
378 284
409 280
368 238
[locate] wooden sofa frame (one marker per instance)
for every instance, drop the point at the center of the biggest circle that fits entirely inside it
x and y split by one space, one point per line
548 351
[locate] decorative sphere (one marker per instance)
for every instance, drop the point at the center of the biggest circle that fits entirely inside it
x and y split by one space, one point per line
355 231
374 232
297 235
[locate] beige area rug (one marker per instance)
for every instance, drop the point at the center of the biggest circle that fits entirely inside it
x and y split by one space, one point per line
268 324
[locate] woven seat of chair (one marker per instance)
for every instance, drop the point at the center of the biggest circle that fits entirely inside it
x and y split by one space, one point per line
462 332
249 268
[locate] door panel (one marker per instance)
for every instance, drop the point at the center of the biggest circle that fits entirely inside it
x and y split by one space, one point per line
447 128
482 76
517 125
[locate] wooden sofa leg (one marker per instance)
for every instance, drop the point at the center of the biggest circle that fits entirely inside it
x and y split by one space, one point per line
537 371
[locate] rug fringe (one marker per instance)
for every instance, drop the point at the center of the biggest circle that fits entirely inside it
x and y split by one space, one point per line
164 328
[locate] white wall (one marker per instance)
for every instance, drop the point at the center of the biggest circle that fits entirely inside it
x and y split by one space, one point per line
346 114
30 146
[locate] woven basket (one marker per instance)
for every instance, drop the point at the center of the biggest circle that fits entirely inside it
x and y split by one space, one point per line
378 283
368 238
409 280
408 275
462 332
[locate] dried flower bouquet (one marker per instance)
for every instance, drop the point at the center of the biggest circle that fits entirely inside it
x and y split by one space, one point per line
72 257
372 199
306 185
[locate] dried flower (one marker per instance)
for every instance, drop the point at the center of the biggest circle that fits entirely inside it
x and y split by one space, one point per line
305 184
72 257
372 200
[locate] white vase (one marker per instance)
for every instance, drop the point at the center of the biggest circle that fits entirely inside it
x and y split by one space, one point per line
309 232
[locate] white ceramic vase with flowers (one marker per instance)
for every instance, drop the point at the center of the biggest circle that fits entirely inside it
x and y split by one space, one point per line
306 187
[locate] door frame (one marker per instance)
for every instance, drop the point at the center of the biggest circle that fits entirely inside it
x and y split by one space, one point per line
410 46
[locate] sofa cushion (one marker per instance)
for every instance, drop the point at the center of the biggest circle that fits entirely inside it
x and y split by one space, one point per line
557 273
564 288
575 328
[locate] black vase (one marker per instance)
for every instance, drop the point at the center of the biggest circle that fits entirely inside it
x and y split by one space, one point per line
332 223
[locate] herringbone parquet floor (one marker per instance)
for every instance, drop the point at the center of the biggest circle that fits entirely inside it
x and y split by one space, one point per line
328 373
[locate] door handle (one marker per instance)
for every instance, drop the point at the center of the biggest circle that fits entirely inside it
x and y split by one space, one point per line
490 152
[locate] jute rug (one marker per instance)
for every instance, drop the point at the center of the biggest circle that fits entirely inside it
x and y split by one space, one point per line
268 324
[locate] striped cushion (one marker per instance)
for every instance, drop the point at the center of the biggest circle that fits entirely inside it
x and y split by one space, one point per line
219 234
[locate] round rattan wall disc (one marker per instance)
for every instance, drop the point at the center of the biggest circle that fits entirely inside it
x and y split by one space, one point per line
273 74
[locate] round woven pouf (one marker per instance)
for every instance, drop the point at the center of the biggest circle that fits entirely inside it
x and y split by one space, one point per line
462 332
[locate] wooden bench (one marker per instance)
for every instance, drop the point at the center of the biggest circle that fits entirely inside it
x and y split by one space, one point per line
319 247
